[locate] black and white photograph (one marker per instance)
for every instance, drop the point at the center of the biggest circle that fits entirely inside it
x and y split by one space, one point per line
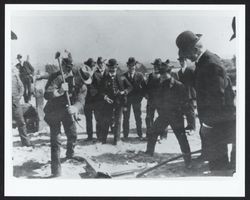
106 100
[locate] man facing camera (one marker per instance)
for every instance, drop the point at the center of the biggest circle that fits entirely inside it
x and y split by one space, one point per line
114 91
171 103
134 98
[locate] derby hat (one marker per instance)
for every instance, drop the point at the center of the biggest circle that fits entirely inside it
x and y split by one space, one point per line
186 40
90 62
19 56
131 61
112 62
100 60
157 62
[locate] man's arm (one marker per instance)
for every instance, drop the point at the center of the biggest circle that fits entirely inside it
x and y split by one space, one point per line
80 100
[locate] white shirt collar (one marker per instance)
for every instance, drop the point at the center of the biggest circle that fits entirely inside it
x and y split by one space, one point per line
200 56
112 74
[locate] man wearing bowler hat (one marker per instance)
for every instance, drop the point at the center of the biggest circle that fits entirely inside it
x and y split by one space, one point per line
171 102
89 107
97 99
114 91
58 111
215 104
134 98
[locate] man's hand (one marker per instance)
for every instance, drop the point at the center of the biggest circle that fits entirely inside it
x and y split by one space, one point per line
108 100
72 110
64 88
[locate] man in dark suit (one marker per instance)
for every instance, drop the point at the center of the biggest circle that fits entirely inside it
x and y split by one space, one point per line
98 102
215 104
26 72
171 102
186 76
152 93
134 98
114 91
89 107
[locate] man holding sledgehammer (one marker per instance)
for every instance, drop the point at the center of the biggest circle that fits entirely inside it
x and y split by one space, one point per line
65 91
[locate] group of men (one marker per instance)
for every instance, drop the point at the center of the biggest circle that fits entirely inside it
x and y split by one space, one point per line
99 90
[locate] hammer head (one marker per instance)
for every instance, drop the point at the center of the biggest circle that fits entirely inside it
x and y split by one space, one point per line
57 55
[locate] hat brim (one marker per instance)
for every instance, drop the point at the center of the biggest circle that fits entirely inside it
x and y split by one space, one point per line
112 65
133 63
88 81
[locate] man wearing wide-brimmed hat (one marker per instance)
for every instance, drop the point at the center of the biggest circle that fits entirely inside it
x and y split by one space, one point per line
171 102
114 91
215 104
152 93
136 79
58 111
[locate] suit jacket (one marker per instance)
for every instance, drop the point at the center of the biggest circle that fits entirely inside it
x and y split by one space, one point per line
139 86
25 70
152 89
94 90
122 84
212 86
173 98
187 78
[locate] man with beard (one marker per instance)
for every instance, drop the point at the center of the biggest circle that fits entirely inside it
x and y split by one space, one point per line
215 100
114 91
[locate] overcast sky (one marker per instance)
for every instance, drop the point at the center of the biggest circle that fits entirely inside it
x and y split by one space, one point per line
146 35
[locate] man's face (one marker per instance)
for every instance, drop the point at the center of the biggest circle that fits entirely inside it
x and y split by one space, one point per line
66 68
183 62
131 68
192 54
112 69
165 76
156 68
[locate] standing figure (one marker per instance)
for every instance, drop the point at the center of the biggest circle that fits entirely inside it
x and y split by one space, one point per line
186 76
17 110
89 107
215 104
58 111
98 101
152 94
114 91
171 104
134 98
26 72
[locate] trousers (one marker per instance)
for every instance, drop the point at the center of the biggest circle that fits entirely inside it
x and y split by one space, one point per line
17 113
54 120
176 122
89 110
137 113
150 114
215 141
111 118
26 80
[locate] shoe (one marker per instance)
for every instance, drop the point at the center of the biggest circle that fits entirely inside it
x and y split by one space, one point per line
70 156
29 144
88 139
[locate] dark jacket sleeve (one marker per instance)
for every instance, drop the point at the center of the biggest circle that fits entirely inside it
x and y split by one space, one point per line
215 95
127 85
